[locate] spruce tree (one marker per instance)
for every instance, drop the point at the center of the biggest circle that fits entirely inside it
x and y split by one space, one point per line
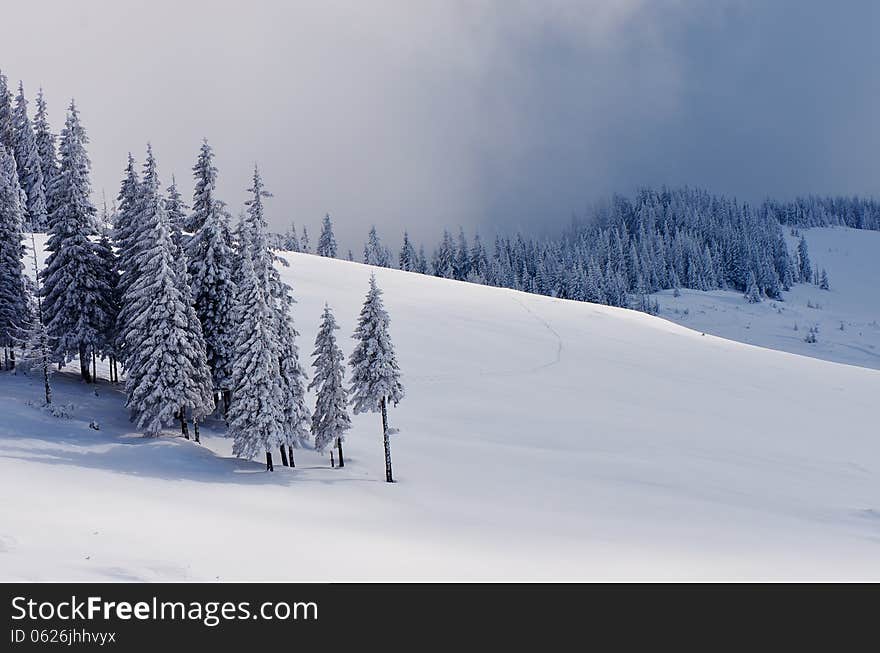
204 202
74 286
176 209
256 419
304 245
823 280
13 287
804 266
168 373
212 269
408 259
37 351
375 377
45 144
753 293
279 301
327 241
27 159
7 128
330 420
291 376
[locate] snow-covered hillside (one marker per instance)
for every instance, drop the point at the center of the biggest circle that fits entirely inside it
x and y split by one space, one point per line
847 316
539 439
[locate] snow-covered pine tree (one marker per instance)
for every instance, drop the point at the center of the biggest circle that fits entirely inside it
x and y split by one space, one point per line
74 285
292 376
375 376
27 158
7 129
326 241
168 373
205 175
37 351
805 269
408 259
278 299
211 262
823 280
45 143
330 420
110 269
753 293
304 245
176 209
291 239
256 418
13 287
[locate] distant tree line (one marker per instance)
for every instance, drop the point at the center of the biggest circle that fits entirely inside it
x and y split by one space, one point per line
621 253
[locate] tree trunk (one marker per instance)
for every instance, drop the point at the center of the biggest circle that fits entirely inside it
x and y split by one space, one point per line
94 367
183 426
11 358
388 477
196 430
227 399
332 465
284 457
290 455
339 447
269 467
84 364
5 357
46 382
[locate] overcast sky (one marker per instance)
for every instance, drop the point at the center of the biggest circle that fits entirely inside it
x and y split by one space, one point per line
432 113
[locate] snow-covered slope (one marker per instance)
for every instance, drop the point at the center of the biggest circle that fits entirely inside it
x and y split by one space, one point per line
539 439
847 315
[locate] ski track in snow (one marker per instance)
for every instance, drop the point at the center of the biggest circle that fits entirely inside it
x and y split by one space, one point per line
506 373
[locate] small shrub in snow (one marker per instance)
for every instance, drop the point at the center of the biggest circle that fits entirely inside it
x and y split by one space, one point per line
61 411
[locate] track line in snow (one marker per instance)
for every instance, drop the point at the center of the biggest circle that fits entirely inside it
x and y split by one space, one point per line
436 378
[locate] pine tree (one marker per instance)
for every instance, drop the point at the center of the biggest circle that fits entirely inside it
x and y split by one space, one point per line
212 270
823 280
205 175
291 374
327 241
110 272
74 289
176 209
295 415
375 377
330 420
374 252
27 159
304 245
168 374
408 259
45 144
7 128
804 267
753 293
13 287
256 420
37 351
291 240
137 200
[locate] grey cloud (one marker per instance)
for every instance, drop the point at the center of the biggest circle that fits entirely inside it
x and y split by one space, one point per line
491 114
